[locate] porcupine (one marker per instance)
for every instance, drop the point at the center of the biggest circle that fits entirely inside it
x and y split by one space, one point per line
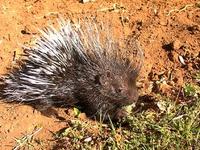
76 65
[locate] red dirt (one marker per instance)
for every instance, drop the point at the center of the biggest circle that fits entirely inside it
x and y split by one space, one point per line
164 37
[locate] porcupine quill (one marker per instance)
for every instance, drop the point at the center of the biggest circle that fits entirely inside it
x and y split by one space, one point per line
77 64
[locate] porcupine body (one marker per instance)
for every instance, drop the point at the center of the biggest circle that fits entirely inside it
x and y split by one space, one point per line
75 65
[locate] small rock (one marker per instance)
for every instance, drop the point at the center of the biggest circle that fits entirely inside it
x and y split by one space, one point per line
162 105
181 60
189 15
163 22
86 1
176 44
88 139
82 116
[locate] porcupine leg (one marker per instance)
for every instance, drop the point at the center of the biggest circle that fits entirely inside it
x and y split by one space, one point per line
120 114
110 111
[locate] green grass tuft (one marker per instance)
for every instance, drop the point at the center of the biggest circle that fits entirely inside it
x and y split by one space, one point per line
174 126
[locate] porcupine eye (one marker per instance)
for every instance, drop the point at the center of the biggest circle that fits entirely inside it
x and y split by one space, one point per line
118 90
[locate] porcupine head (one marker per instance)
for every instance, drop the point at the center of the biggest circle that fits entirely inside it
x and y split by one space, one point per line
78 64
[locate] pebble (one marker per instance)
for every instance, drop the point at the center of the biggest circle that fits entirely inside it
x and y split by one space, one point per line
181 60
86 1
176 44
88 139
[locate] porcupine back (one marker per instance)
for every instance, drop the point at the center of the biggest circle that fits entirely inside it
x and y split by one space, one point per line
76 64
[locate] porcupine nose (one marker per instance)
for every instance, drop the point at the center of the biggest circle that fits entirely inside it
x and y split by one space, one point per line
132 96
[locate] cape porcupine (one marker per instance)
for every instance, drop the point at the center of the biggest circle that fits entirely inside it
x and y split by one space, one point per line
76 65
